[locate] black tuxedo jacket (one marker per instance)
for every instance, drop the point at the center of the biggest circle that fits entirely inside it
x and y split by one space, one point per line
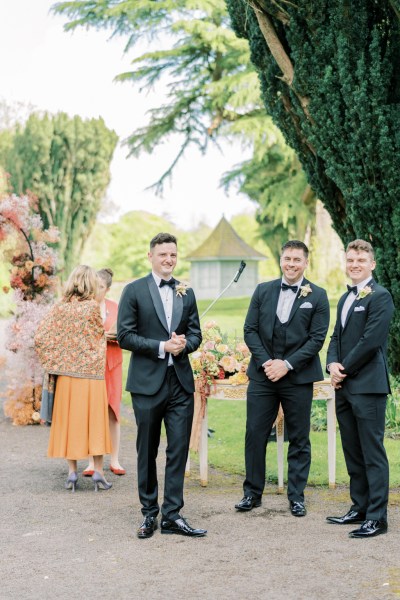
361 345
305 334
142 326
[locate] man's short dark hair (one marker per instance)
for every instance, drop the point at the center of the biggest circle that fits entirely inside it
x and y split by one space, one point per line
297 244
163 238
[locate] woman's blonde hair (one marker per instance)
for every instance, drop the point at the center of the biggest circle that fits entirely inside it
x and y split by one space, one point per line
82 283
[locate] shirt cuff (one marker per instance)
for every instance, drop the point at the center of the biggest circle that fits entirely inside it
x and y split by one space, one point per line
161 350
288 365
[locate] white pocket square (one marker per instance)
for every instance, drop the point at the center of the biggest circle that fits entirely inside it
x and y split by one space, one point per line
359 308
306 305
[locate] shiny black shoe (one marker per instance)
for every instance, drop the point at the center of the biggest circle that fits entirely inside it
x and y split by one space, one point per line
369 529
298 509
147 528
350 518
181 527
248 503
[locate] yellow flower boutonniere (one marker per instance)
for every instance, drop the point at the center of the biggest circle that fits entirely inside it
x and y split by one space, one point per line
305 290
181 289
365 291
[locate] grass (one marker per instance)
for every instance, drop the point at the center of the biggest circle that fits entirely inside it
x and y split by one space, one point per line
228 417
226 447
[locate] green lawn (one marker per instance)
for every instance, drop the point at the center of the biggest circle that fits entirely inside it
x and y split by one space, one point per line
228 418
226 447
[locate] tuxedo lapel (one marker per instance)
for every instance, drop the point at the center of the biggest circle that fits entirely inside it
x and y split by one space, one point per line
355 303
158 305
269 325
177 309
297 301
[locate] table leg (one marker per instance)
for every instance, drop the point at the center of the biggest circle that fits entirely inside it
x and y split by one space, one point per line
203 451
331 427
279 450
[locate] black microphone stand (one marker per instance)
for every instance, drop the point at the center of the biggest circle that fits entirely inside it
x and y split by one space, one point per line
234 280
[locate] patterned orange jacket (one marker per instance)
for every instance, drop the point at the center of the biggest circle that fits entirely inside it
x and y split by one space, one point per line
70 340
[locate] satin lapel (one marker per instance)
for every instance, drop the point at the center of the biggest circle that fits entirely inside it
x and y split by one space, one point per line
276 288
356 303
340 308
158 305
177 309
298 300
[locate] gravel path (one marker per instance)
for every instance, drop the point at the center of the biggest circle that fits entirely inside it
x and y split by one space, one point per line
56 544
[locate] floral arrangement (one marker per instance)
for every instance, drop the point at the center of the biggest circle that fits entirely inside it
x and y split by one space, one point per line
217 359
34 281
365 291
305 290
181 289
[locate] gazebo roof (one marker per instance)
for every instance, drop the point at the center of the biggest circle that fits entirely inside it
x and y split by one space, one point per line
223 243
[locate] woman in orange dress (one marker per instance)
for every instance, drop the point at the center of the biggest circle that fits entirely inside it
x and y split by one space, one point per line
113 374
71 344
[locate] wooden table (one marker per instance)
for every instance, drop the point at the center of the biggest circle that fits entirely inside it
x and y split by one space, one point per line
226 391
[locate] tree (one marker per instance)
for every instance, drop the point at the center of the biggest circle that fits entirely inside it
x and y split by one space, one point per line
65 163
212 94
330 79
107 244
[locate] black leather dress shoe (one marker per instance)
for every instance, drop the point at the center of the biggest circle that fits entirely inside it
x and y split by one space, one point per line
298 509
350 518
147 528
247 503
181 527
369 529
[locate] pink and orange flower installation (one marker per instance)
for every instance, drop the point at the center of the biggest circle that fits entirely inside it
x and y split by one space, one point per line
33 279
219 359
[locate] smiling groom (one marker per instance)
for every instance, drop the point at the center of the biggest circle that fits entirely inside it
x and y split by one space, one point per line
358 368
285 328
159 323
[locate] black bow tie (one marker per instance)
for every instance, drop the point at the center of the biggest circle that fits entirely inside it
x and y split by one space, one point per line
171 282
352 289
285 286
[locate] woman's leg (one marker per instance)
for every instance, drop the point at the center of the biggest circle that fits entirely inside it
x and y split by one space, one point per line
115 434
72 466
98 464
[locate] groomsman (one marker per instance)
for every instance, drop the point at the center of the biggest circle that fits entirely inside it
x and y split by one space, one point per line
285 328
358 367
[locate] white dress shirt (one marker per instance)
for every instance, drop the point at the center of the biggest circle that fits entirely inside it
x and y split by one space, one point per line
167 298
286 301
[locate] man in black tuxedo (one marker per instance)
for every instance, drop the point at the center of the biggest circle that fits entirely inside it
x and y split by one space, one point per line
357 364
285 328
159 323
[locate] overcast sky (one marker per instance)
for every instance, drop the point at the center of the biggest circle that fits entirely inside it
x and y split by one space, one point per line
73 72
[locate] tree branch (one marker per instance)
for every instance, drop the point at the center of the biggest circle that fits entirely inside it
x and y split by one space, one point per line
278 52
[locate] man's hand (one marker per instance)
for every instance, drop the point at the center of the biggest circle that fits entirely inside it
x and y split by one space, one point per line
335 371
175 344
275 369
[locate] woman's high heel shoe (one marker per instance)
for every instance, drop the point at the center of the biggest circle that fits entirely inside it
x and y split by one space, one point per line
100 480
70 484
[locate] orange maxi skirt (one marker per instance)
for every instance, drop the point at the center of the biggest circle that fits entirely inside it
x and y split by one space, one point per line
80 419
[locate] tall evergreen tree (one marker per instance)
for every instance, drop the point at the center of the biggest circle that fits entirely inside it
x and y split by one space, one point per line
65 163
212 93
330 78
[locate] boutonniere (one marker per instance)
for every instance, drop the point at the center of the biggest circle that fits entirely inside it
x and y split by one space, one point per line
365 291
181 289
305 290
